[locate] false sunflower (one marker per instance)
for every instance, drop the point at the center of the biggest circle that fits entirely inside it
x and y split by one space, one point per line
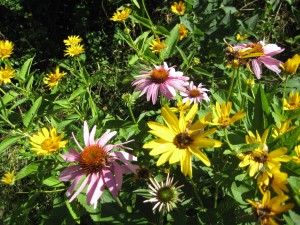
52 79
6 49
121 15
178 8
156 45
293 103
6 74
9 178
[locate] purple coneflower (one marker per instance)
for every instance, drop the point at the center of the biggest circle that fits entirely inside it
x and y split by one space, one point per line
97 166
164 79
194 93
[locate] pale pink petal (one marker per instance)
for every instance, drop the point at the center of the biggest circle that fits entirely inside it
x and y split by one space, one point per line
124 159
80 189
86 134
166 92
272 49
92 187
74 184
108 148
256 67
110 181
105 138
92 136
98 191
72 156
271 63
77 142
118 175
70 173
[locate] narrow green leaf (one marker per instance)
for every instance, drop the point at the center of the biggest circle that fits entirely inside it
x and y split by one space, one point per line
9 96
171 42
24 72
74 213
288 139
53 182
29 116
29 83
144 21
76 93
27 170
9 141
183 56
136 3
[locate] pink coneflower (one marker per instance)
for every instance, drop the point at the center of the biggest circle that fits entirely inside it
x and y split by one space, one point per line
164 79
194 93
97 166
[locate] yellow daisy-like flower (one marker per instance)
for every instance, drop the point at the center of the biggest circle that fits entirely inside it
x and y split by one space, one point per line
250 82
74 50
6 49
183 32
52 79
73 40
181 108
156 45
292 64
180 139
178 8
268 209
120 16
221 115
293 103
260 159
9 178
46 142
241 37
6 74
296 158
273 178
284 127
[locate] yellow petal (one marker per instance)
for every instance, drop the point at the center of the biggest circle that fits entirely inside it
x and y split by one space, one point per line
200 155
176 156
161 131
161 149
253 169
45 132
206 143
164 158
170 118
192 113
186 165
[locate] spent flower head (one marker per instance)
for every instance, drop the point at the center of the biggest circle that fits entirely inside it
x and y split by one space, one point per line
121 15
178 8
9 178
6 49
53 79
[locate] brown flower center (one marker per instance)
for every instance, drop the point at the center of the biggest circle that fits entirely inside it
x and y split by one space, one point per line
159 76
263 212
182 140
225 121
194 93
93 159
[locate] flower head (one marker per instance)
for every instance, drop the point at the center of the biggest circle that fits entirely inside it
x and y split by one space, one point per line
221 115
293 103
73 40
97 165
6 74
120 16
164 79
296 158
156 45
292 64
46 142
52 79
178 8
194 93
73 50
165 195
180 139
183 32
6 49
181 107
268 209
284 127
9 178
240 37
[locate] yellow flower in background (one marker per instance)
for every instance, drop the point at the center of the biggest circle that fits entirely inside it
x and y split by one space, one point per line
221 115
73 50
73 40
293 103
267 210
156 45
181 108
120 16
46 142
178 8
180 139
250 82
52 79
284 127
296 158
9 178
240 37
6 74
183 32
6 49
273 178
292 64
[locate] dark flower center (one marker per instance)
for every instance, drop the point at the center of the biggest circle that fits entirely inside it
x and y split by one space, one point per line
159 76
165 194
194 93
93 159
263 212
182 140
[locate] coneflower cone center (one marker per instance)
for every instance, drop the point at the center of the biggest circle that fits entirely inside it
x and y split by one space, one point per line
93 159
194 93
182 140
159 76
165 194
48 144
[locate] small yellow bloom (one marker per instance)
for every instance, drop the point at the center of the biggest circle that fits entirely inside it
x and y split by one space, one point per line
46 142
9 178
156 45
6 74
296 158
120 16
241 37
52 79
221 115
181 108
73 40
284 127
178 8
250 82
292 64
74 50
6 49
293 103
267 210
183 32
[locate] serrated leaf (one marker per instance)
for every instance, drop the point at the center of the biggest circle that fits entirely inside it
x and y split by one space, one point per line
29 116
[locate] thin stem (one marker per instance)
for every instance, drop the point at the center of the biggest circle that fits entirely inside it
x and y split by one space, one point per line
216 196
227 140
161 218
131 113
231 84
197 194
283 94
121 204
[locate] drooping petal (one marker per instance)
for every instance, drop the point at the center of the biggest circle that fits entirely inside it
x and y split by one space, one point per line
186 165
72 156
164 158
92 187
105 138
200 155
98 191
76 181
110 181
70 173
82 186
256 67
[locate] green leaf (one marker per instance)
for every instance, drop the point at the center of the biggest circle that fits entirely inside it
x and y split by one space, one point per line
74 213
53 182
8 97
288 139
171 42
24 72
136 3
94 213
27 170
144 21
247 147
78 91
9 141
29 116
29 84
295 184
183 56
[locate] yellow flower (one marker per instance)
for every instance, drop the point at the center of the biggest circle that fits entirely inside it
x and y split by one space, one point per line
261 159
181 108
72 40
273 178
293 103
241 37
156 45
180 139
46 142
221 115
250 82
296 158
52 79
6 49
120 16
183 32
284 127
292 64
178 8
6 74
74 50
9 178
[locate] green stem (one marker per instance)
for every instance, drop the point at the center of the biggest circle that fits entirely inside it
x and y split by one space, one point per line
121 204
131 113
197 195
227 140
283 94
161 218
231 84
216 196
